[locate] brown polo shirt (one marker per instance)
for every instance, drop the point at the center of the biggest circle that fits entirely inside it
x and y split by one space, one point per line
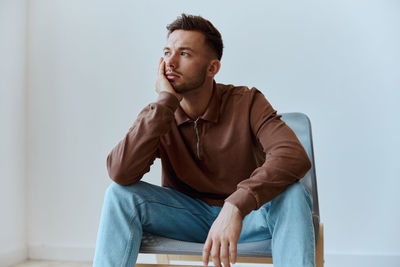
238 151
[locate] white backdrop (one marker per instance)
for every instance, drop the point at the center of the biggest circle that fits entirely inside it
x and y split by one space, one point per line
12 131
91 69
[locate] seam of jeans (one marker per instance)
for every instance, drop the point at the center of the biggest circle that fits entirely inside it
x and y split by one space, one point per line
128 250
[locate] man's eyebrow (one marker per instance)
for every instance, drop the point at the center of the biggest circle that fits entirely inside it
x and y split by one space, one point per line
185 48
180 48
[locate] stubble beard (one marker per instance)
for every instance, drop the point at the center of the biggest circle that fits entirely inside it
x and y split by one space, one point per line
192 84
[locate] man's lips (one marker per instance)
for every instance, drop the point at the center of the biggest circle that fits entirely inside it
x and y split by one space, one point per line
171 76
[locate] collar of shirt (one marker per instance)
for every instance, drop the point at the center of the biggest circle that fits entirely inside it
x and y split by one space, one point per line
210 114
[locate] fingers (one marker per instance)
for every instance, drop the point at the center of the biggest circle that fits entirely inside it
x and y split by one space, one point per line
215 253
223 237
233 251
221 252
158 75
206 251
225 253
161 66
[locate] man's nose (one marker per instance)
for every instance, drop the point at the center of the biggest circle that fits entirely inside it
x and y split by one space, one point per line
171 61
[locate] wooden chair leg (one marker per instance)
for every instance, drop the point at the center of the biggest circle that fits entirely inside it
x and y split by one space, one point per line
319 251
162 259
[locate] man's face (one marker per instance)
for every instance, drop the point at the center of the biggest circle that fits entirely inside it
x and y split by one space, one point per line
186 60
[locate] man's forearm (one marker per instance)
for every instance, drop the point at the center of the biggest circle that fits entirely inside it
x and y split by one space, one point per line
132 157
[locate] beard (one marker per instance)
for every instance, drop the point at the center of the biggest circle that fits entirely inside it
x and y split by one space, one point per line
192 84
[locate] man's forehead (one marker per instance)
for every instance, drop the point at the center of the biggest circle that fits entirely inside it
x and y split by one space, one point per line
188 39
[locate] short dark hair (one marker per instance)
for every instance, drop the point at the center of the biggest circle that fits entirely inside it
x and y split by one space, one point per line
197 23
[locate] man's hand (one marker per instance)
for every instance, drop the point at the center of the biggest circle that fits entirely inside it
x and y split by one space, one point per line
162 83
223 236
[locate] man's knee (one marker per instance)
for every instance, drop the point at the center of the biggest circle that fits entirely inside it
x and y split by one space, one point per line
294 195
124 192
114 190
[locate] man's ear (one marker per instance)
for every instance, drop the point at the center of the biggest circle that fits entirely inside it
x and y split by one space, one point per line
213 67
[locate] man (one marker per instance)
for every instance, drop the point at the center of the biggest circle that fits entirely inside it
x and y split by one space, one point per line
230 166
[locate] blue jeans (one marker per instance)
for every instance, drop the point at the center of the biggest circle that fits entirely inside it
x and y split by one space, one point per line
130 210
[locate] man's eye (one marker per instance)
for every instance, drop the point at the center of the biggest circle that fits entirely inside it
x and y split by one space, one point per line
166 53
184 54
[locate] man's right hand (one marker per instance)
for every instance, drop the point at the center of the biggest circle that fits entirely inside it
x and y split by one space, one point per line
162 83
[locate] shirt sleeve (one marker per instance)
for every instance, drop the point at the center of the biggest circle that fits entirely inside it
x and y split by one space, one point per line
132 157
286 160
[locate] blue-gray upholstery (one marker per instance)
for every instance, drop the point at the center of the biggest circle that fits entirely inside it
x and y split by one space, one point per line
300 124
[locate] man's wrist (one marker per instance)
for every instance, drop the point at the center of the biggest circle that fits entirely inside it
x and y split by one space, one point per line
243 200
179 97
168 99
232 208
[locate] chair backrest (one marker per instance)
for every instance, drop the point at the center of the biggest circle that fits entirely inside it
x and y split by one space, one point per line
301 126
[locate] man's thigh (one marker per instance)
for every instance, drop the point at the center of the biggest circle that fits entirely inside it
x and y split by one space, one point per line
170 213
294 204
255 226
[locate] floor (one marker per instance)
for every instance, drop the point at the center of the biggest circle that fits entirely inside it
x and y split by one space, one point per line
38 263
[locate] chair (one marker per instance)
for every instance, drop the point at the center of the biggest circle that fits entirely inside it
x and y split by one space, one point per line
167 250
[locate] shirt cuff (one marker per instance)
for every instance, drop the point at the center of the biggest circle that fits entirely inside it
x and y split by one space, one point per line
168 99
243 200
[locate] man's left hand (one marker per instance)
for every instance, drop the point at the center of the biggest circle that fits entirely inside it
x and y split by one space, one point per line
223 237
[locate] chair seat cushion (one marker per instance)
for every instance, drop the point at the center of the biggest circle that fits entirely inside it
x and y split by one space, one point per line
155 244
162 245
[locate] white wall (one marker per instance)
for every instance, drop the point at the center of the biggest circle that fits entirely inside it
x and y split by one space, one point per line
12 130
92 66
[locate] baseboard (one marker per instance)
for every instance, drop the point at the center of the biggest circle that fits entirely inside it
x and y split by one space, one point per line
69 253
86 254
60 253
362 260
13 256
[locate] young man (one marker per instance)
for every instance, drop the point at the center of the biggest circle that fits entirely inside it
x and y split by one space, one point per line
230 166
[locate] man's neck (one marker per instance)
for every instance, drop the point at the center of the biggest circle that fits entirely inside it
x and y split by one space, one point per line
195 102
